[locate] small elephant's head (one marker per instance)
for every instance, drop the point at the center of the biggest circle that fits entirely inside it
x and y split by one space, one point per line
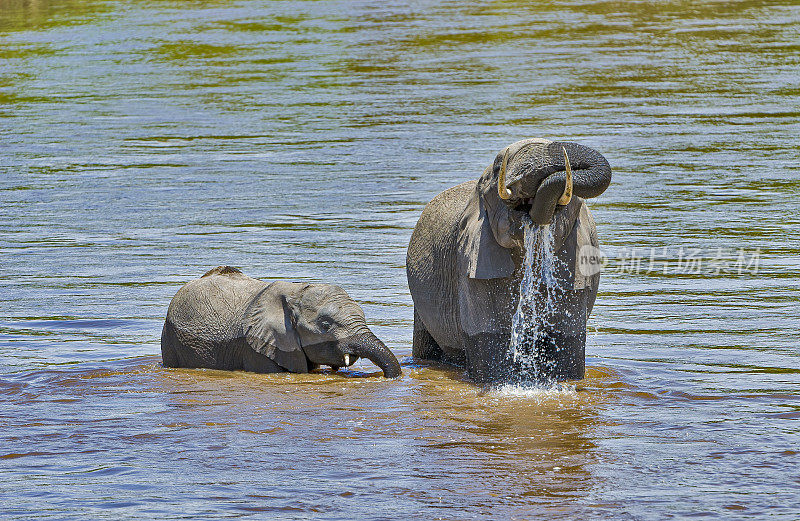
301 326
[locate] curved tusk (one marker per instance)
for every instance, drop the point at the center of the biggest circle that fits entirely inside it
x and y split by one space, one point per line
566 197
503 192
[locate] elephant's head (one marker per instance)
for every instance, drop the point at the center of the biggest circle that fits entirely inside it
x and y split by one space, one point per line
300 326
530 181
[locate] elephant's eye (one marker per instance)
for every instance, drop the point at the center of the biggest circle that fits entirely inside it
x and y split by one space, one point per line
325 325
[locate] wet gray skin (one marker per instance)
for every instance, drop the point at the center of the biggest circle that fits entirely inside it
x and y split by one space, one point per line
464 260
227 320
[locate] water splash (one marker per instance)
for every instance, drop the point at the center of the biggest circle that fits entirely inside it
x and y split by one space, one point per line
539 394
539 291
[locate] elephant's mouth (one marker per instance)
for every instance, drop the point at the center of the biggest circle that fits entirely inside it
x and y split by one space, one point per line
522 205
329 353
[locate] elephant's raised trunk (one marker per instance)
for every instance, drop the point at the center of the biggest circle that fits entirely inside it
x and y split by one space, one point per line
367 345
506 194
592 172
591 177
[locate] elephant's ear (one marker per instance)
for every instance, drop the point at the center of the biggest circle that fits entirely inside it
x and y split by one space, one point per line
269 329
480 255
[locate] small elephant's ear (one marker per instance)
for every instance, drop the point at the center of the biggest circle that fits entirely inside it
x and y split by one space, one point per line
269 329
480 255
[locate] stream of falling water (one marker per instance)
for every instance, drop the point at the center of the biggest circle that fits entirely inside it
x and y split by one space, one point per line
539 291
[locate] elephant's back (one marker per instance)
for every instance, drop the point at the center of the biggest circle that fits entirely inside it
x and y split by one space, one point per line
435 229
212 306
431 263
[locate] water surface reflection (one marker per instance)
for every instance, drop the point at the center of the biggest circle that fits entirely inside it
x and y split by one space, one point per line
145 142
332 443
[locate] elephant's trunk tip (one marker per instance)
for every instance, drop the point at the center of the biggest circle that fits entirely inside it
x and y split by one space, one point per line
368 346
388 363
393 372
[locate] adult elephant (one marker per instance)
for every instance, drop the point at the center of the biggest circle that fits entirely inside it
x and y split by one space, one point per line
227 320
465 257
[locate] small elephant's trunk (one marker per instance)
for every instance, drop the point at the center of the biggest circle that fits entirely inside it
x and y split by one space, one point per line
367 345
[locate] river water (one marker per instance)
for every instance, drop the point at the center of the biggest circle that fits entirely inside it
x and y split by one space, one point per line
142 143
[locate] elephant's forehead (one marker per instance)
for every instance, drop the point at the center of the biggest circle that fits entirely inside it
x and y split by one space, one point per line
319 293
330 300
340 311
343 305
532 159
515 147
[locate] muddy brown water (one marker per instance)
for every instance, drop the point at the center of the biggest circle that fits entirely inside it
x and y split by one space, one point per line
144 142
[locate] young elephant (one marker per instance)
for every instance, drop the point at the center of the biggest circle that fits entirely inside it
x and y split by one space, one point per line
227 320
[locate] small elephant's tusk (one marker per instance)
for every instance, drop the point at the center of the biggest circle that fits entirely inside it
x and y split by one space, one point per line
505 193
346 360
566 197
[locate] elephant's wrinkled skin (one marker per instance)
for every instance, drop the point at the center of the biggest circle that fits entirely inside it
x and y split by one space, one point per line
227 320
464 260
